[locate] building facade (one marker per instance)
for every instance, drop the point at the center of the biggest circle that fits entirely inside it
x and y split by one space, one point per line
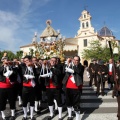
85 34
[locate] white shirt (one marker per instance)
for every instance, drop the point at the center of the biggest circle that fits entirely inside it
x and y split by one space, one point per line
110 67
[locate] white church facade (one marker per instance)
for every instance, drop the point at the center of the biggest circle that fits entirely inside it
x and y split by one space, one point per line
85 35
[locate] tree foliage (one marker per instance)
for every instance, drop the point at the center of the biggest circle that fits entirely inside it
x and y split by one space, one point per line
19 54
10 54
97 51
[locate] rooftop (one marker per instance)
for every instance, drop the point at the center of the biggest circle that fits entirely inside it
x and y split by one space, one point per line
105 32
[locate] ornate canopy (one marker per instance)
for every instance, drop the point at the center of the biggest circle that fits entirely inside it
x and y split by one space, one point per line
49 31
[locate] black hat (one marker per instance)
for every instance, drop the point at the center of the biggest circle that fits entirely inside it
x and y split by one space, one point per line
101 62
28 56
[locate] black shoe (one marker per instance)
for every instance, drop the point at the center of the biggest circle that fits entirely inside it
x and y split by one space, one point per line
49 118
97 94
33 118
20 105
24 118
12 118
73 113
60 119
38 112
102 93
69 118
55 112
28 113
4 118
95 84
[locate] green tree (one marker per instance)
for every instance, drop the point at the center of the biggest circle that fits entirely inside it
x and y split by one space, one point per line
97 51
31 52
19 54
10 54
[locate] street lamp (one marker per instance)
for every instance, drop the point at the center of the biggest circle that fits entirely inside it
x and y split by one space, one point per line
115 50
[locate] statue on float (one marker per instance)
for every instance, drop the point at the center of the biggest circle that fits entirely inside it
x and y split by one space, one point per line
51 44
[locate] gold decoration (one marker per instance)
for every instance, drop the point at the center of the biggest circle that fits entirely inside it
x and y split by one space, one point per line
49 46
5 54
48 22
48 50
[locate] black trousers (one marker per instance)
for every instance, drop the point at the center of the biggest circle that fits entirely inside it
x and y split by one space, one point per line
42 84
17 90
7 94
28 95
110 80
38 93
93 77
73 98
54 93
101 82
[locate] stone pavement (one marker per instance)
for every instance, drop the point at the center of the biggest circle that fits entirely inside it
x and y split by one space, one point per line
92 107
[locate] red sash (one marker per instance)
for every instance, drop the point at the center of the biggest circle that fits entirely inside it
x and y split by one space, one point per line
72 85
6 84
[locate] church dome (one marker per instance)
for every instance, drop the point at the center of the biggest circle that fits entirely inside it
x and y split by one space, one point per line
105 32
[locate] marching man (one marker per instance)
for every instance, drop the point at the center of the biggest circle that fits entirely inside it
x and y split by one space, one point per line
53 90
73 81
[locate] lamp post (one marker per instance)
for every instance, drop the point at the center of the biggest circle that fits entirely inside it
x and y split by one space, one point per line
116 53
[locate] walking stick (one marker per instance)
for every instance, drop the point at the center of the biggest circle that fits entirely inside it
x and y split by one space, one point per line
101 82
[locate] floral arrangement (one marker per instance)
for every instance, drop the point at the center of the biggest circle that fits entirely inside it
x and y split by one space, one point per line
48 50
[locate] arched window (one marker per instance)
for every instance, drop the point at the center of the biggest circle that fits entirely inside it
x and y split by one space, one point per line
83 26
84 16
87 24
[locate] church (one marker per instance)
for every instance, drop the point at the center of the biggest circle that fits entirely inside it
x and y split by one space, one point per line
85 34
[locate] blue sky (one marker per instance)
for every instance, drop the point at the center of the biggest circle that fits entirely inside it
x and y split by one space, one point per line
20 19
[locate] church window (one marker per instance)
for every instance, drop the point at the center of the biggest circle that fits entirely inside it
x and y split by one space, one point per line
84 16
85 42
83 26
87 24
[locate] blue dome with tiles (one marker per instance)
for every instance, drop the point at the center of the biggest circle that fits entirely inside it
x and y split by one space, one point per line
105 32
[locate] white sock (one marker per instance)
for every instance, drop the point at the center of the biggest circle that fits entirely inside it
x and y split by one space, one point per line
28 107
19 100
69 112
3 114
12 112
51 110
72 109
31 111
25 111
60 112
36 106
39 103
56 106
77 115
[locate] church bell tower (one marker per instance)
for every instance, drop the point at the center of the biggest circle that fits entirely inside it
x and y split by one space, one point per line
85 23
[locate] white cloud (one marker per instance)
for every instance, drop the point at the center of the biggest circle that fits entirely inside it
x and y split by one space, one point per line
16 29
10 24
